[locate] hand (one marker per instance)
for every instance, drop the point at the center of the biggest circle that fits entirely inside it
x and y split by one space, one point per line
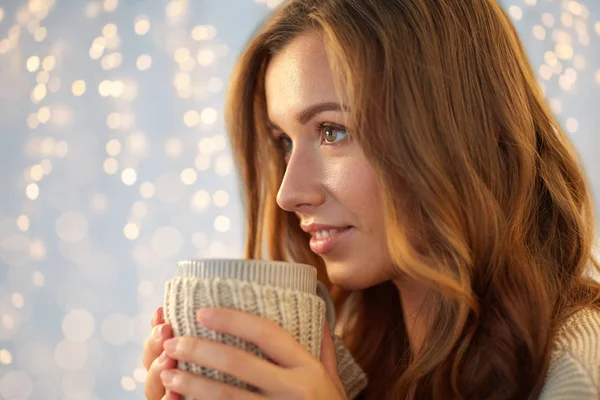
294 373
155 360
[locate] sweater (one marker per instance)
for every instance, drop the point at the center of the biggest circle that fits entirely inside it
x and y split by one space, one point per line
574 370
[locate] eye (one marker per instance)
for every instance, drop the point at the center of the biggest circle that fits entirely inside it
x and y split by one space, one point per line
333 134
286 144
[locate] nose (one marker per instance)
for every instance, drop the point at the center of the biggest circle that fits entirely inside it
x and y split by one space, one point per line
301 187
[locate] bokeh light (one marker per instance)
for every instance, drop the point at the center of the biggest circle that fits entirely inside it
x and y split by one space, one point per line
78 325
131 231
71 226
143 62
16 385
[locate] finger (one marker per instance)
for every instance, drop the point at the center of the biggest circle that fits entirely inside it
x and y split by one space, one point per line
153 322
228 359
329 357
153 345
328 350
170 396
199 387
158 317
275 342
154 388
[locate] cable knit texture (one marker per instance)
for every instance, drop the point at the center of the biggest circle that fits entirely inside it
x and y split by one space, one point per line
300 313
574 372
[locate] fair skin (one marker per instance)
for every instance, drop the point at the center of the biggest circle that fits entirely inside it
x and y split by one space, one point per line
332 184
327 181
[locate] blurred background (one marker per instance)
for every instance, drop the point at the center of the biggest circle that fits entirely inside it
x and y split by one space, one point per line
115 164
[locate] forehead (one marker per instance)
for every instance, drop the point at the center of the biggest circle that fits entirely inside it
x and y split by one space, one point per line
298 76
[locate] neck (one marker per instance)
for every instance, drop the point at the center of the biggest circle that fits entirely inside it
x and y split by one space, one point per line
412 297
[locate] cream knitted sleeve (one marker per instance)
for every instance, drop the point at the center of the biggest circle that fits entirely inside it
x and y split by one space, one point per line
574 371
352 376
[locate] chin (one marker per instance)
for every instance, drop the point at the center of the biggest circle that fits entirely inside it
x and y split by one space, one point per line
356 275
345 276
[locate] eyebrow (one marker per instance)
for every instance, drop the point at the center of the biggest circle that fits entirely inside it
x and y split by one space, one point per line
308 113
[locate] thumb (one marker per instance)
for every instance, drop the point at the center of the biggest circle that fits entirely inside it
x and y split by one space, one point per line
329 358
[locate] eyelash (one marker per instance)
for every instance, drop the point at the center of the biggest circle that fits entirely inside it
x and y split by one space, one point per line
319 128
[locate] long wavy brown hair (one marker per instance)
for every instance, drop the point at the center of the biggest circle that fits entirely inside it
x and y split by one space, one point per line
470 159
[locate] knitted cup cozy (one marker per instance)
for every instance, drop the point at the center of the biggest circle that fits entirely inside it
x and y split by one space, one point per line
284 293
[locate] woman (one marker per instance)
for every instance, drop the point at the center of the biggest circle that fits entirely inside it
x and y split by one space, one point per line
403 148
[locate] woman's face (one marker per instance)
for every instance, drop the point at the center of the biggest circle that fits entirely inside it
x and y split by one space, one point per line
328 182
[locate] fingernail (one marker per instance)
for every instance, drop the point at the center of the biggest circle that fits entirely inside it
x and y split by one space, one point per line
167 376
170 345
162 358
205 314
172 395
157 334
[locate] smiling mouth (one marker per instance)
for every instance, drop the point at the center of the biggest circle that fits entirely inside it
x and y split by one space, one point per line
323 242
326 233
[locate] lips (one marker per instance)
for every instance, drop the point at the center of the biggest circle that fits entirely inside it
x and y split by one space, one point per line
326 243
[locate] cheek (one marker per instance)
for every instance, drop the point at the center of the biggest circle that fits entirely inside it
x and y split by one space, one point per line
355 186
